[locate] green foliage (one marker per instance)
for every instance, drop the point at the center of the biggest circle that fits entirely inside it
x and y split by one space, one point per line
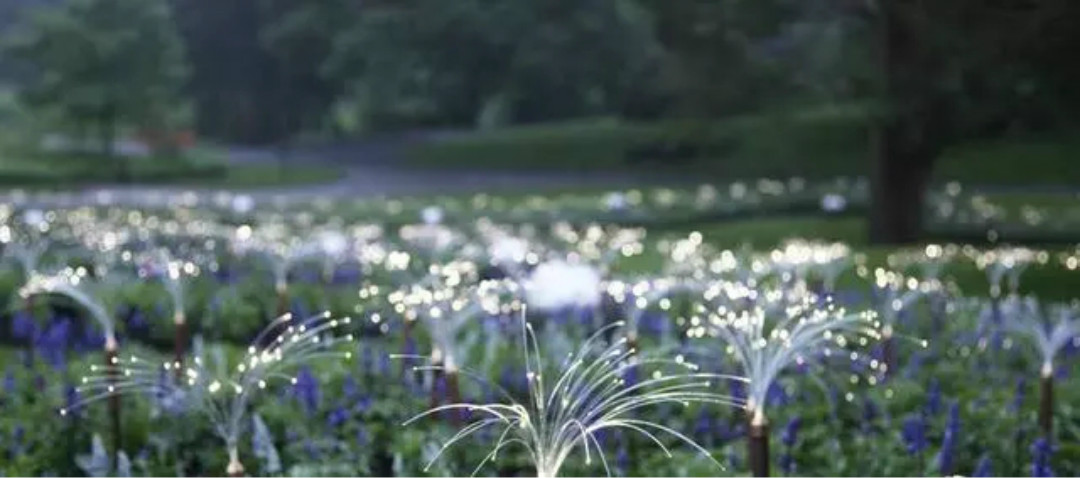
432 61
300 37
103 62
821 143
202 167
836 439
718 59
737 148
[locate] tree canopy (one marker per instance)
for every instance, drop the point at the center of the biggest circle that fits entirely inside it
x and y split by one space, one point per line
264 69
102 62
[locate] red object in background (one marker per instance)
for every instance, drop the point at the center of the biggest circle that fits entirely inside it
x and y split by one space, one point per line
158 140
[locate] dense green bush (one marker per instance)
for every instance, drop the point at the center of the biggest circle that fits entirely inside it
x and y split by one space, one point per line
816 144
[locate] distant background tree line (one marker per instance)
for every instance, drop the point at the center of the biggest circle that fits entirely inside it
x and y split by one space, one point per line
261 70
915 75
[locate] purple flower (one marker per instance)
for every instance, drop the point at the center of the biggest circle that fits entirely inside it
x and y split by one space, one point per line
307 275
92 338
948 443
507 378
776 395
367 361
1071 348
1018 396
311 450
997 340
9 381
17 446
652 323
703 426
945 455
933 398
729 432
738 389
306 390
787 463
622 461
215 306
384 364
631 376
362 405
1041 451
869 415
348 274
409 347
585 316
952 424
337 417
938 309
984 467
913 434
71 400
23 327
137 321
162 396
914 364
791 432
60 332
52 342
349 388
601 437
298 308
732 459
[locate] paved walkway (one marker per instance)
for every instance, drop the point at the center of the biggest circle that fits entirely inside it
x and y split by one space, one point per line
371 169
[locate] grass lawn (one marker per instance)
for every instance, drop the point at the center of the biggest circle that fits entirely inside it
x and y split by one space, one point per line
253 176
200 168
1051 281
826 144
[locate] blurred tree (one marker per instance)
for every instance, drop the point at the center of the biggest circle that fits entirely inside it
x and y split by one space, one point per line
232 80
948 70
299 36
104 63
726 57
473 61
10 12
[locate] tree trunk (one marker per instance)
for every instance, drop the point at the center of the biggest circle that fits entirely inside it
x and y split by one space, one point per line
898 187
908 137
